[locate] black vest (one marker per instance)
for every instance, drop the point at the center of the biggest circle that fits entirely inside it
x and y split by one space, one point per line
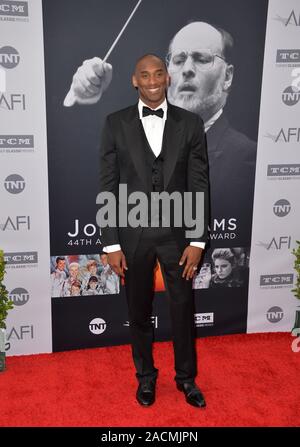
154 169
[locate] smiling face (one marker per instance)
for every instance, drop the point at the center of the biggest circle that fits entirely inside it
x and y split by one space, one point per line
74 271
200 91
92 269
61 265
151 79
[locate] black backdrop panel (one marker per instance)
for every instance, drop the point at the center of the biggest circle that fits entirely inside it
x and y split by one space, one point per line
76 30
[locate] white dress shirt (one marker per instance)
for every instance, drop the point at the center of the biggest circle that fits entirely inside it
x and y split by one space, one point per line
154 129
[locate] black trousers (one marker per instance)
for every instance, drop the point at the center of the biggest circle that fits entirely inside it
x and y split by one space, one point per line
159 243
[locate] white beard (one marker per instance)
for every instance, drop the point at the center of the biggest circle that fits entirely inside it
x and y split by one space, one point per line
205 107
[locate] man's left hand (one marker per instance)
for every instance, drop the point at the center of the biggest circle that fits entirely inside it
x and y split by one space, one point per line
191 256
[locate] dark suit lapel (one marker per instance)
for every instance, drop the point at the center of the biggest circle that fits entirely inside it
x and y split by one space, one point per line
136 140
171 142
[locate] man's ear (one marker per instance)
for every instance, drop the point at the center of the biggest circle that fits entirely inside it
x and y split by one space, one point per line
134 82
228 77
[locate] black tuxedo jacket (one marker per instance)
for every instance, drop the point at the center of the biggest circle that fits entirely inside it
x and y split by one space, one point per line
122 161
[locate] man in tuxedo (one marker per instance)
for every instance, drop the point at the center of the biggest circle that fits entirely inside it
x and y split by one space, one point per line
200 65
199 62
150 147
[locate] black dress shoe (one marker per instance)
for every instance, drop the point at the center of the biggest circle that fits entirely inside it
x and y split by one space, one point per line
146 393
193 395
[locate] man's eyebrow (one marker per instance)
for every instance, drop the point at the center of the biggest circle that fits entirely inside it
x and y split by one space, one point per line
158 70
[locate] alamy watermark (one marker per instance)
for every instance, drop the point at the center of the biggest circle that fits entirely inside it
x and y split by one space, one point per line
176 209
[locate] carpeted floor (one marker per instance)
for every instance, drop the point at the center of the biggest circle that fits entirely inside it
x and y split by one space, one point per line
248 380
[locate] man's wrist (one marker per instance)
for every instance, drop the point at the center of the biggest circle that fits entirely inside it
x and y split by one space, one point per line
112 248
198 244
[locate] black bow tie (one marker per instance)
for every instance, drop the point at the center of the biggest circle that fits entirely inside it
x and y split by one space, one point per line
147 111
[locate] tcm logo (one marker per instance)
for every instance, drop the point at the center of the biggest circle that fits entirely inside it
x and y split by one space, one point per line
277 280
277 243
14 184
204 319
19 296
17 258
288 56
16 141
281 208
274 314
13 8
154 321
97 326
16 223
283 170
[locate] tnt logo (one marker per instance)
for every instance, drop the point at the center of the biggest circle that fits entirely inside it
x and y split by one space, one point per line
275 314
281 208
14 184
19 296
290 95
97 326
9 57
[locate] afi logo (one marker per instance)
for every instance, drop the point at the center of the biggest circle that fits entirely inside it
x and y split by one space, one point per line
288 135
20 333
293 19
14 101
281 242
277 244
16 224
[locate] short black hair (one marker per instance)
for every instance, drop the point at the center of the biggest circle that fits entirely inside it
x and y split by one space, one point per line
151 55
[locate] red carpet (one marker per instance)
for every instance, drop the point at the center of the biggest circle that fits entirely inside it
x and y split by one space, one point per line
248 380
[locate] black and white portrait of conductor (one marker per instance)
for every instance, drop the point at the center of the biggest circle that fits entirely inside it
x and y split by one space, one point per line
199 61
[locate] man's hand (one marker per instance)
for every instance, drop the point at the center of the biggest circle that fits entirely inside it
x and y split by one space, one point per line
117 261
191 256
91 79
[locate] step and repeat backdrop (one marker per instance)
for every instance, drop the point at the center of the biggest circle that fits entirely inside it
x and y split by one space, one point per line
66 296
